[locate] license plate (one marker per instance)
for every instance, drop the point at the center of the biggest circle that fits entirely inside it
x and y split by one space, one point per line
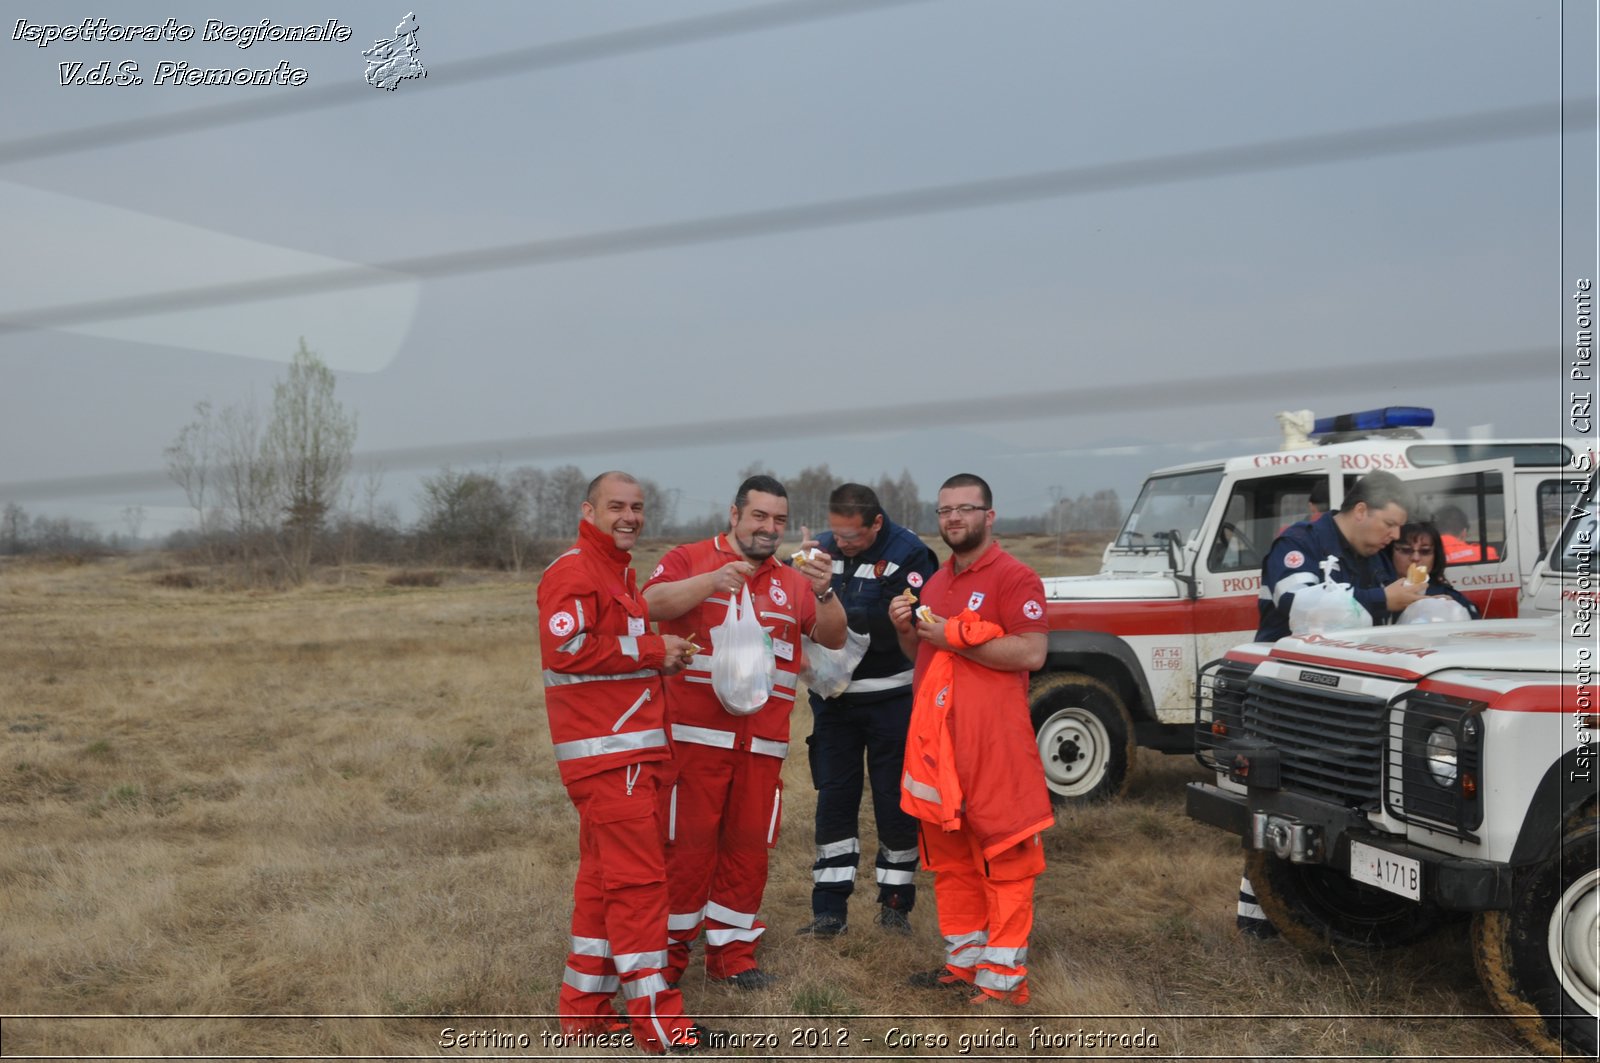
1400 875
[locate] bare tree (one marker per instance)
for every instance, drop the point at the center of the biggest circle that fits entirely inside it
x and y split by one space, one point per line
13 529
189 460
307 446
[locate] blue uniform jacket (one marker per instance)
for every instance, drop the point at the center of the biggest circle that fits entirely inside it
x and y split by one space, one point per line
1293 565
866 583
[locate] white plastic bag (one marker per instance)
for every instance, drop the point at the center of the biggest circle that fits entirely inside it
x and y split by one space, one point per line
1326 606
827 672
1434 609
742 663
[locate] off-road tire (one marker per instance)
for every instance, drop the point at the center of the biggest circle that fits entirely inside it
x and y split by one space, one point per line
1317 908
1085 737
1513 948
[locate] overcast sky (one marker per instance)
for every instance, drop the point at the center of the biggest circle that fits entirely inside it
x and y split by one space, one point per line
1177 270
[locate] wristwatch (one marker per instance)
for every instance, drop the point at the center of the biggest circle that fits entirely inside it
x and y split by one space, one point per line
825 595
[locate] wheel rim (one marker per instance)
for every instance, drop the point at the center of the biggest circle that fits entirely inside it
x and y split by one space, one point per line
1076 750
1574 941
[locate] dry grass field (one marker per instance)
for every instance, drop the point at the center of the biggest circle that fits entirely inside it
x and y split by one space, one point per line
327 823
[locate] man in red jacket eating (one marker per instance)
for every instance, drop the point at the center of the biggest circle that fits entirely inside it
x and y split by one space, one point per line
972 771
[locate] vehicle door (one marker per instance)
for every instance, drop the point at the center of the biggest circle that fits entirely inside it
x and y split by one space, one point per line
1481 491
1252 508
1566 577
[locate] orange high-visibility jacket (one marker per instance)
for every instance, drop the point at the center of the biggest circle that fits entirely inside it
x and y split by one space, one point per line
971 758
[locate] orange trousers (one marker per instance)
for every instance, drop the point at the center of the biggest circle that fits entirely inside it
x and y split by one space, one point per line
985 908
619 911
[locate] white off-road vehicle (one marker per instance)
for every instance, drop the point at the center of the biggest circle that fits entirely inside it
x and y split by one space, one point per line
1383 778
1178 586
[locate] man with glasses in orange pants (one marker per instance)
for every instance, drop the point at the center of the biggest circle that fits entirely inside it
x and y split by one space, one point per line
972 770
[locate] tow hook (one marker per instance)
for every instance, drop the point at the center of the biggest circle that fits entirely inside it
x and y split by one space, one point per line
1286 838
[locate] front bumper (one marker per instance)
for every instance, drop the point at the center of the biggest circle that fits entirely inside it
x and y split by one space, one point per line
1309 831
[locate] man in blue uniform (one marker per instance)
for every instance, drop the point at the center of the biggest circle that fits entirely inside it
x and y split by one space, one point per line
1357 536
873 561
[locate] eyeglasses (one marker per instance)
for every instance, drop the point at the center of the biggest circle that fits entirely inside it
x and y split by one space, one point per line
966 511
1415 551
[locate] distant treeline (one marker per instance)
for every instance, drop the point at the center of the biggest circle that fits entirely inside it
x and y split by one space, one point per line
497 519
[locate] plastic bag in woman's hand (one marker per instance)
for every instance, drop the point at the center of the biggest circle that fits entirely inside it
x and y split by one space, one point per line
742 663
827 672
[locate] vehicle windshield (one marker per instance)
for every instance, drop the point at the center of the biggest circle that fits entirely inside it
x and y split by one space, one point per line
1575 551
1169 504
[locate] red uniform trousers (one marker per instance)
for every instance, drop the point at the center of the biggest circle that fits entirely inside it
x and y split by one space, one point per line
723 816
985 908
619 912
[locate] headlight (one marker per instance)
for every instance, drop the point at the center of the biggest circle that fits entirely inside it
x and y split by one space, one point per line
1441 753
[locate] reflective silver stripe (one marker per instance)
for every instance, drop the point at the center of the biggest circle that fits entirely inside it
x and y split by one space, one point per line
643 697
778 616
896 856
570 553
628 962
832 849
1000 983
599 747
591 983
769 748
629 645
834 874
729 916
921 789
777 797
685 920
781 694
590 946
965 949
726 937
561 679
702 736
672 814
865 572
838 567
883 682
1251 911
1292 583
574 644
889 877
1005 957
648 986
579 605
890 569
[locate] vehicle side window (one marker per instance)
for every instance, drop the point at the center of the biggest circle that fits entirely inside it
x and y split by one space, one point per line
1257 511
1555 500
1469 509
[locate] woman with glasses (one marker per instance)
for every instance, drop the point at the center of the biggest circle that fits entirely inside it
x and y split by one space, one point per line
1420 543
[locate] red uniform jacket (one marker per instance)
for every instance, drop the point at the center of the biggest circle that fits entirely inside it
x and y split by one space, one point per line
602 685
786 606
971 758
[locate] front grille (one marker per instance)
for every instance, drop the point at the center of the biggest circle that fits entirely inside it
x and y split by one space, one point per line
1331 743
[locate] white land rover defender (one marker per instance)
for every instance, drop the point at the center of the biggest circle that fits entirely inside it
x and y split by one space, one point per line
1382 778
1178 585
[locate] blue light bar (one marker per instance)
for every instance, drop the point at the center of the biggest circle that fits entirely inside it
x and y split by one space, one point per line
1371 420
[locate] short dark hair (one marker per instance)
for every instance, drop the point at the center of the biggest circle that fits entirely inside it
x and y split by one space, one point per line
1378 490
856 500
1450 519
765 484
967 479
1319 494
614 474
